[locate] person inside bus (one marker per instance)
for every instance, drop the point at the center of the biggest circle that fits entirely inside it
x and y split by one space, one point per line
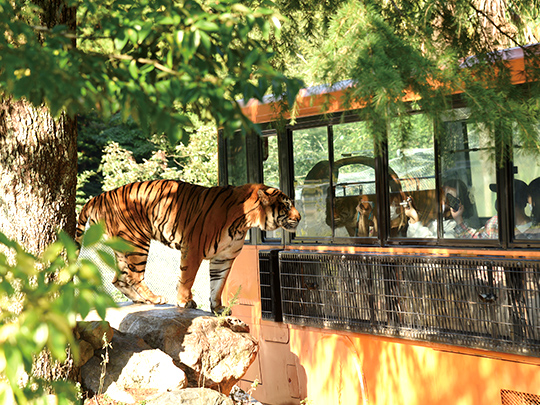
521 220
534 198
457 209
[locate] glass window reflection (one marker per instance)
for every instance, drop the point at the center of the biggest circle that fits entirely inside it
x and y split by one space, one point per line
526 197
413 198
467 177
270 159
312 180
355 199
236 159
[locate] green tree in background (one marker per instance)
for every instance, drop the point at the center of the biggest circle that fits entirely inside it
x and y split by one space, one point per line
113 152
434 49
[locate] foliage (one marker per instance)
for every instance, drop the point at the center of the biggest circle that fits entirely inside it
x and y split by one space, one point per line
156 61
119 167
198 159
392 50
113 153
194 163
41 298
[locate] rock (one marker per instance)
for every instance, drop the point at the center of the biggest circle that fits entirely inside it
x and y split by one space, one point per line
191 396
93 332
218 356
86 352
132 364
214 352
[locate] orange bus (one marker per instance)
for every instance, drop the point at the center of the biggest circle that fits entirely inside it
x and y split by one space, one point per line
414 275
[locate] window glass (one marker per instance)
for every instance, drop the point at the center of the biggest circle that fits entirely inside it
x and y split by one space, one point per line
311 180
413 196
353 212
526 192
236 159
468 181
270 159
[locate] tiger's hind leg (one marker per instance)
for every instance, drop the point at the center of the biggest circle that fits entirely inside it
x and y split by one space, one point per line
219 271
130 281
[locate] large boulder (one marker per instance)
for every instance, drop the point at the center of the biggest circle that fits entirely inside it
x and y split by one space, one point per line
214 352
130 364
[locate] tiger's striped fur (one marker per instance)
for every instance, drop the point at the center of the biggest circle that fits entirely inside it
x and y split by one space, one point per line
201 222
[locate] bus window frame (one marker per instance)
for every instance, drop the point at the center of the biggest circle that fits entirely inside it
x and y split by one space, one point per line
504 178
265 134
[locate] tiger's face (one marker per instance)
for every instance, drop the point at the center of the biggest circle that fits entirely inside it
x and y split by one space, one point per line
279 209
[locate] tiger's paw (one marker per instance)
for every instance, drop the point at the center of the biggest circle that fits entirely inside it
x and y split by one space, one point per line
157 300
188 305
221 310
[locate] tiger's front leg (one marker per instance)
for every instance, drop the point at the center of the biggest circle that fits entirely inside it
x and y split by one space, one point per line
131 282
189 266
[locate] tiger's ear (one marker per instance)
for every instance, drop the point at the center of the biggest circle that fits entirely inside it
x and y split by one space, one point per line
268 196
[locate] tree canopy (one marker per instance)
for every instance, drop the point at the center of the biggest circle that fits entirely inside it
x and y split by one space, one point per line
157 61
435 49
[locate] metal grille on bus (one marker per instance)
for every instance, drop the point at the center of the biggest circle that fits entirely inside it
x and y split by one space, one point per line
269 283
509 397
477 302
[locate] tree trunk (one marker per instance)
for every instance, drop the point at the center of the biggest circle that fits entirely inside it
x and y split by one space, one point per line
38 174
38 160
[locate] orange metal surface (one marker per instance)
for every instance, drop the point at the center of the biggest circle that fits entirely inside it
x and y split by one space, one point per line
329 100
329 367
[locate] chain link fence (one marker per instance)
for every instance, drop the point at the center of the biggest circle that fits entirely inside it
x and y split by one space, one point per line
162 273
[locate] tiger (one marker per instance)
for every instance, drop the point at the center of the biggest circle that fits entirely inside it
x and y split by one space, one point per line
204 223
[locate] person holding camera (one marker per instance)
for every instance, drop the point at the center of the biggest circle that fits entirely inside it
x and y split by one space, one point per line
456 205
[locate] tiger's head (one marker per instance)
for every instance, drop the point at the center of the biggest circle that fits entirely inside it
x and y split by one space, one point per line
279 210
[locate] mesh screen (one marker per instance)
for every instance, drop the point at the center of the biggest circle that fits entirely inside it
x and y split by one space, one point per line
161 275
491 304
518 398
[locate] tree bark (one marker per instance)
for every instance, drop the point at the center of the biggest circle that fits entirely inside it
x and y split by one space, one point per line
38 160
38 174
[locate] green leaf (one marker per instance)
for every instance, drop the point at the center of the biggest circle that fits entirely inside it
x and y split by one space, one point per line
69 244
206 25
118 244
41 334
120 41
52 252
7 242
133 70
107 258
93 235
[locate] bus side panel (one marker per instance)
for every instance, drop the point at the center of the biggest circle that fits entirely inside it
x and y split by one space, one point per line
401 372
322 366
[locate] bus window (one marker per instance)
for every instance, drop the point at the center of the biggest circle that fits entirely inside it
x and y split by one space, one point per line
526 197
311 180
413 197
467 178
236 160
270 168
355 199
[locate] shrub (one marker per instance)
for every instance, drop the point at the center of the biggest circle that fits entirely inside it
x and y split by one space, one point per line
40 301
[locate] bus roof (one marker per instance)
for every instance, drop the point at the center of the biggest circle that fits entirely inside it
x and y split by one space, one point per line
324 99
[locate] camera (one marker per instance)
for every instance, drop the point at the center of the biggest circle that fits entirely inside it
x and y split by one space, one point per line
453 202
